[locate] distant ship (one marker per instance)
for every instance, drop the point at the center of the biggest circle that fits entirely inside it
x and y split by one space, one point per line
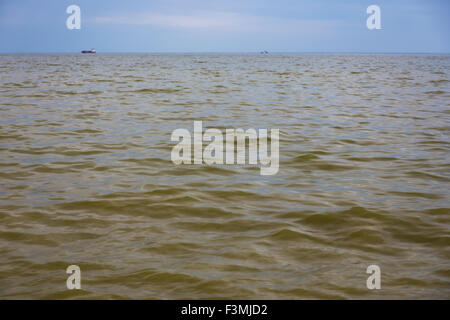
89 51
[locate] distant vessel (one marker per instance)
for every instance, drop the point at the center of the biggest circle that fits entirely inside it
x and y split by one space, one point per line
89 51
264 52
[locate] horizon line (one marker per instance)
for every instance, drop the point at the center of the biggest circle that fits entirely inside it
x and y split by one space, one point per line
233 52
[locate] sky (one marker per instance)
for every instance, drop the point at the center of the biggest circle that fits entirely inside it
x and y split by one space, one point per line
37 26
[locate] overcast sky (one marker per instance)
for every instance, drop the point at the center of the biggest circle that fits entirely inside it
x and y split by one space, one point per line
225 26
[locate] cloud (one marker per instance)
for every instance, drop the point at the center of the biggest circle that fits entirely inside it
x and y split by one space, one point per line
222 21
214 20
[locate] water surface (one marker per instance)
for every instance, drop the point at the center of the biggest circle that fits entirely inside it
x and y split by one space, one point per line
86 176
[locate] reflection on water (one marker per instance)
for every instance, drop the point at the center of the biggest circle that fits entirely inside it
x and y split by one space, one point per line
86 176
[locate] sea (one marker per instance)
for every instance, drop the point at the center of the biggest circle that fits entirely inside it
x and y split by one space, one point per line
87 178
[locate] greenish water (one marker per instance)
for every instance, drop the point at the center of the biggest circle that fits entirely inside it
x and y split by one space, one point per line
86 177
